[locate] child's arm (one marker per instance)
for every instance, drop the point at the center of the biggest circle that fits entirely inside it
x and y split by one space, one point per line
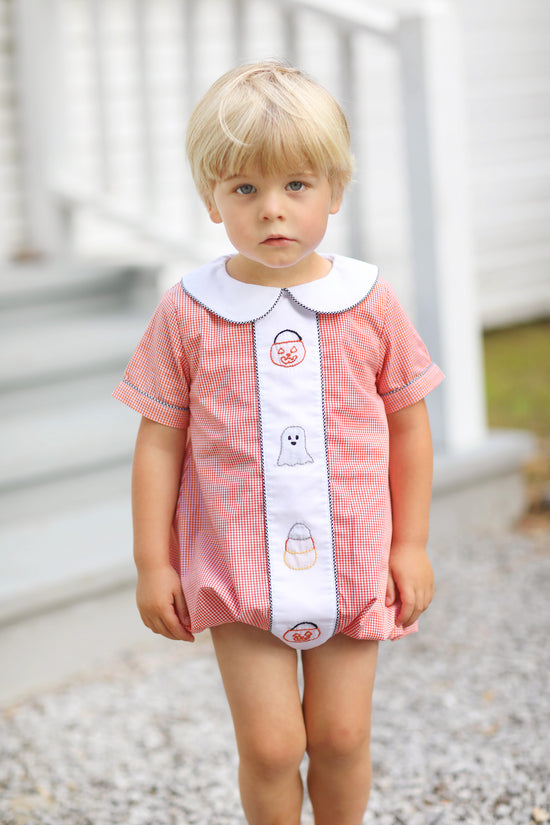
156 477
410 579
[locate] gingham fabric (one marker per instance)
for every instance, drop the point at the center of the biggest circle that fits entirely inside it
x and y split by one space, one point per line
217 356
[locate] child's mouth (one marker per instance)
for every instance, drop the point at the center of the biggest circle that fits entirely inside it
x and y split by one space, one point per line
277 240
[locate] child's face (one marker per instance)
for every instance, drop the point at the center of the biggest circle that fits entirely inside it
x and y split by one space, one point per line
275 222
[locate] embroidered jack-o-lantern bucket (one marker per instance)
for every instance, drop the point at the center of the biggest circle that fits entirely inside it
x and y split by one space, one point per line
302 633
288 349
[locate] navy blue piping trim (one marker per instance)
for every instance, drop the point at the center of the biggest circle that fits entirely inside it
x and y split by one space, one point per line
328 479
328 311
414 380
260 428
152 397
223 317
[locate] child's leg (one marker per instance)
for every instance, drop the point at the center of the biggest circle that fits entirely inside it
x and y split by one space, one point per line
260 679
338 685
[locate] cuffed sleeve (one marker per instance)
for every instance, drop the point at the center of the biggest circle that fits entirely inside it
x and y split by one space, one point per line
156 383
407 373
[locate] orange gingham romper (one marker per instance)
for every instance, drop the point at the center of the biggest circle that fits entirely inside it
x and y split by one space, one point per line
283 519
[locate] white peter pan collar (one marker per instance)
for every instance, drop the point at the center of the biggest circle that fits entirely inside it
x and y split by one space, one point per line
347 284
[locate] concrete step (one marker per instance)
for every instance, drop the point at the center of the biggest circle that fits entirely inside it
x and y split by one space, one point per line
81 641
52 288
64 558
59 392
39 445
57 350
64 494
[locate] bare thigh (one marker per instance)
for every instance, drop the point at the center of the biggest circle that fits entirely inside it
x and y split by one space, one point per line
259 673
338 685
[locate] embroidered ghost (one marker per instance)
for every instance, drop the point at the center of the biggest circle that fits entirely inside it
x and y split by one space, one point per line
293 447
288 349
300 552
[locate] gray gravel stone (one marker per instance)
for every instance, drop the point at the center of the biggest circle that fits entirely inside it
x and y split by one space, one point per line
460 728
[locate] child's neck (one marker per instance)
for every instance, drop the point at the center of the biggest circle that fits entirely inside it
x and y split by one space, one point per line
309 269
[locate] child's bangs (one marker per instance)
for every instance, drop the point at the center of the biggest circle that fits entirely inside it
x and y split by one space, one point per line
275 143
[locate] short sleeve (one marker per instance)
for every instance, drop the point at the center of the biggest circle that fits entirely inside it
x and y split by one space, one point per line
407 373
156 383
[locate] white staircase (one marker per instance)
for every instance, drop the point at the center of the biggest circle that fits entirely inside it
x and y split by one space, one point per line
67 330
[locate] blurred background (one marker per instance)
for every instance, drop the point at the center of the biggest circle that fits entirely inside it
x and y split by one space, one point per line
449 106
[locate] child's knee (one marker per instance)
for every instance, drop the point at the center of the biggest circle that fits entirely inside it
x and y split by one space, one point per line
274 754
339 742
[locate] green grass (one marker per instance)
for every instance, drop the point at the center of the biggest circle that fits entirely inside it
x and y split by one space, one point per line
517 376
517 380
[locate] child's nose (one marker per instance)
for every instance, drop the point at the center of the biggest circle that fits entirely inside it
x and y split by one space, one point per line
271 206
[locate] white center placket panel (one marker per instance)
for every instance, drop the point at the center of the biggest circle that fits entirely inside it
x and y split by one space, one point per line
299 529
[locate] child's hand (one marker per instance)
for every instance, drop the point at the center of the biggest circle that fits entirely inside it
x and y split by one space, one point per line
161 603
410 583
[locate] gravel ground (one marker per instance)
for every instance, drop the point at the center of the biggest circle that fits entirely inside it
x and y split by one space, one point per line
461 730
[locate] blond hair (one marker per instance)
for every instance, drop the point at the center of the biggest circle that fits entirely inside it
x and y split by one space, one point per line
272 115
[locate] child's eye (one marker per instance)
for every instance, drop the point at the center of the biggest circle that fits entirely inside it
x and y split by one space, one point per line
296 186
245 189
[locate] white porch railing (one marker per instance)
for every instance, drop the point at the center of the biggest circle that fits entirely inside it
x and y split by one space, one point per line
422 34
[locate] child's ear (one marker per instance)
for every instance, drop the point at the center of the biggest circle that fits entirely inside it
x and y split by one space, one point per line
336 202
212 209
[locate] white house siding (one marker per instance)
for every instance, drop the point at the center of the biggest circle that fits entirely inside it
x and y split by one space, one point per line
508 87
11 215
508 74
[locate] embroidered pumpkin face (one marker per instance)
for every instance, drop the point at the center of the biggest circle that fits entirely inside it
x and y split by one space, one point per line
288 349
